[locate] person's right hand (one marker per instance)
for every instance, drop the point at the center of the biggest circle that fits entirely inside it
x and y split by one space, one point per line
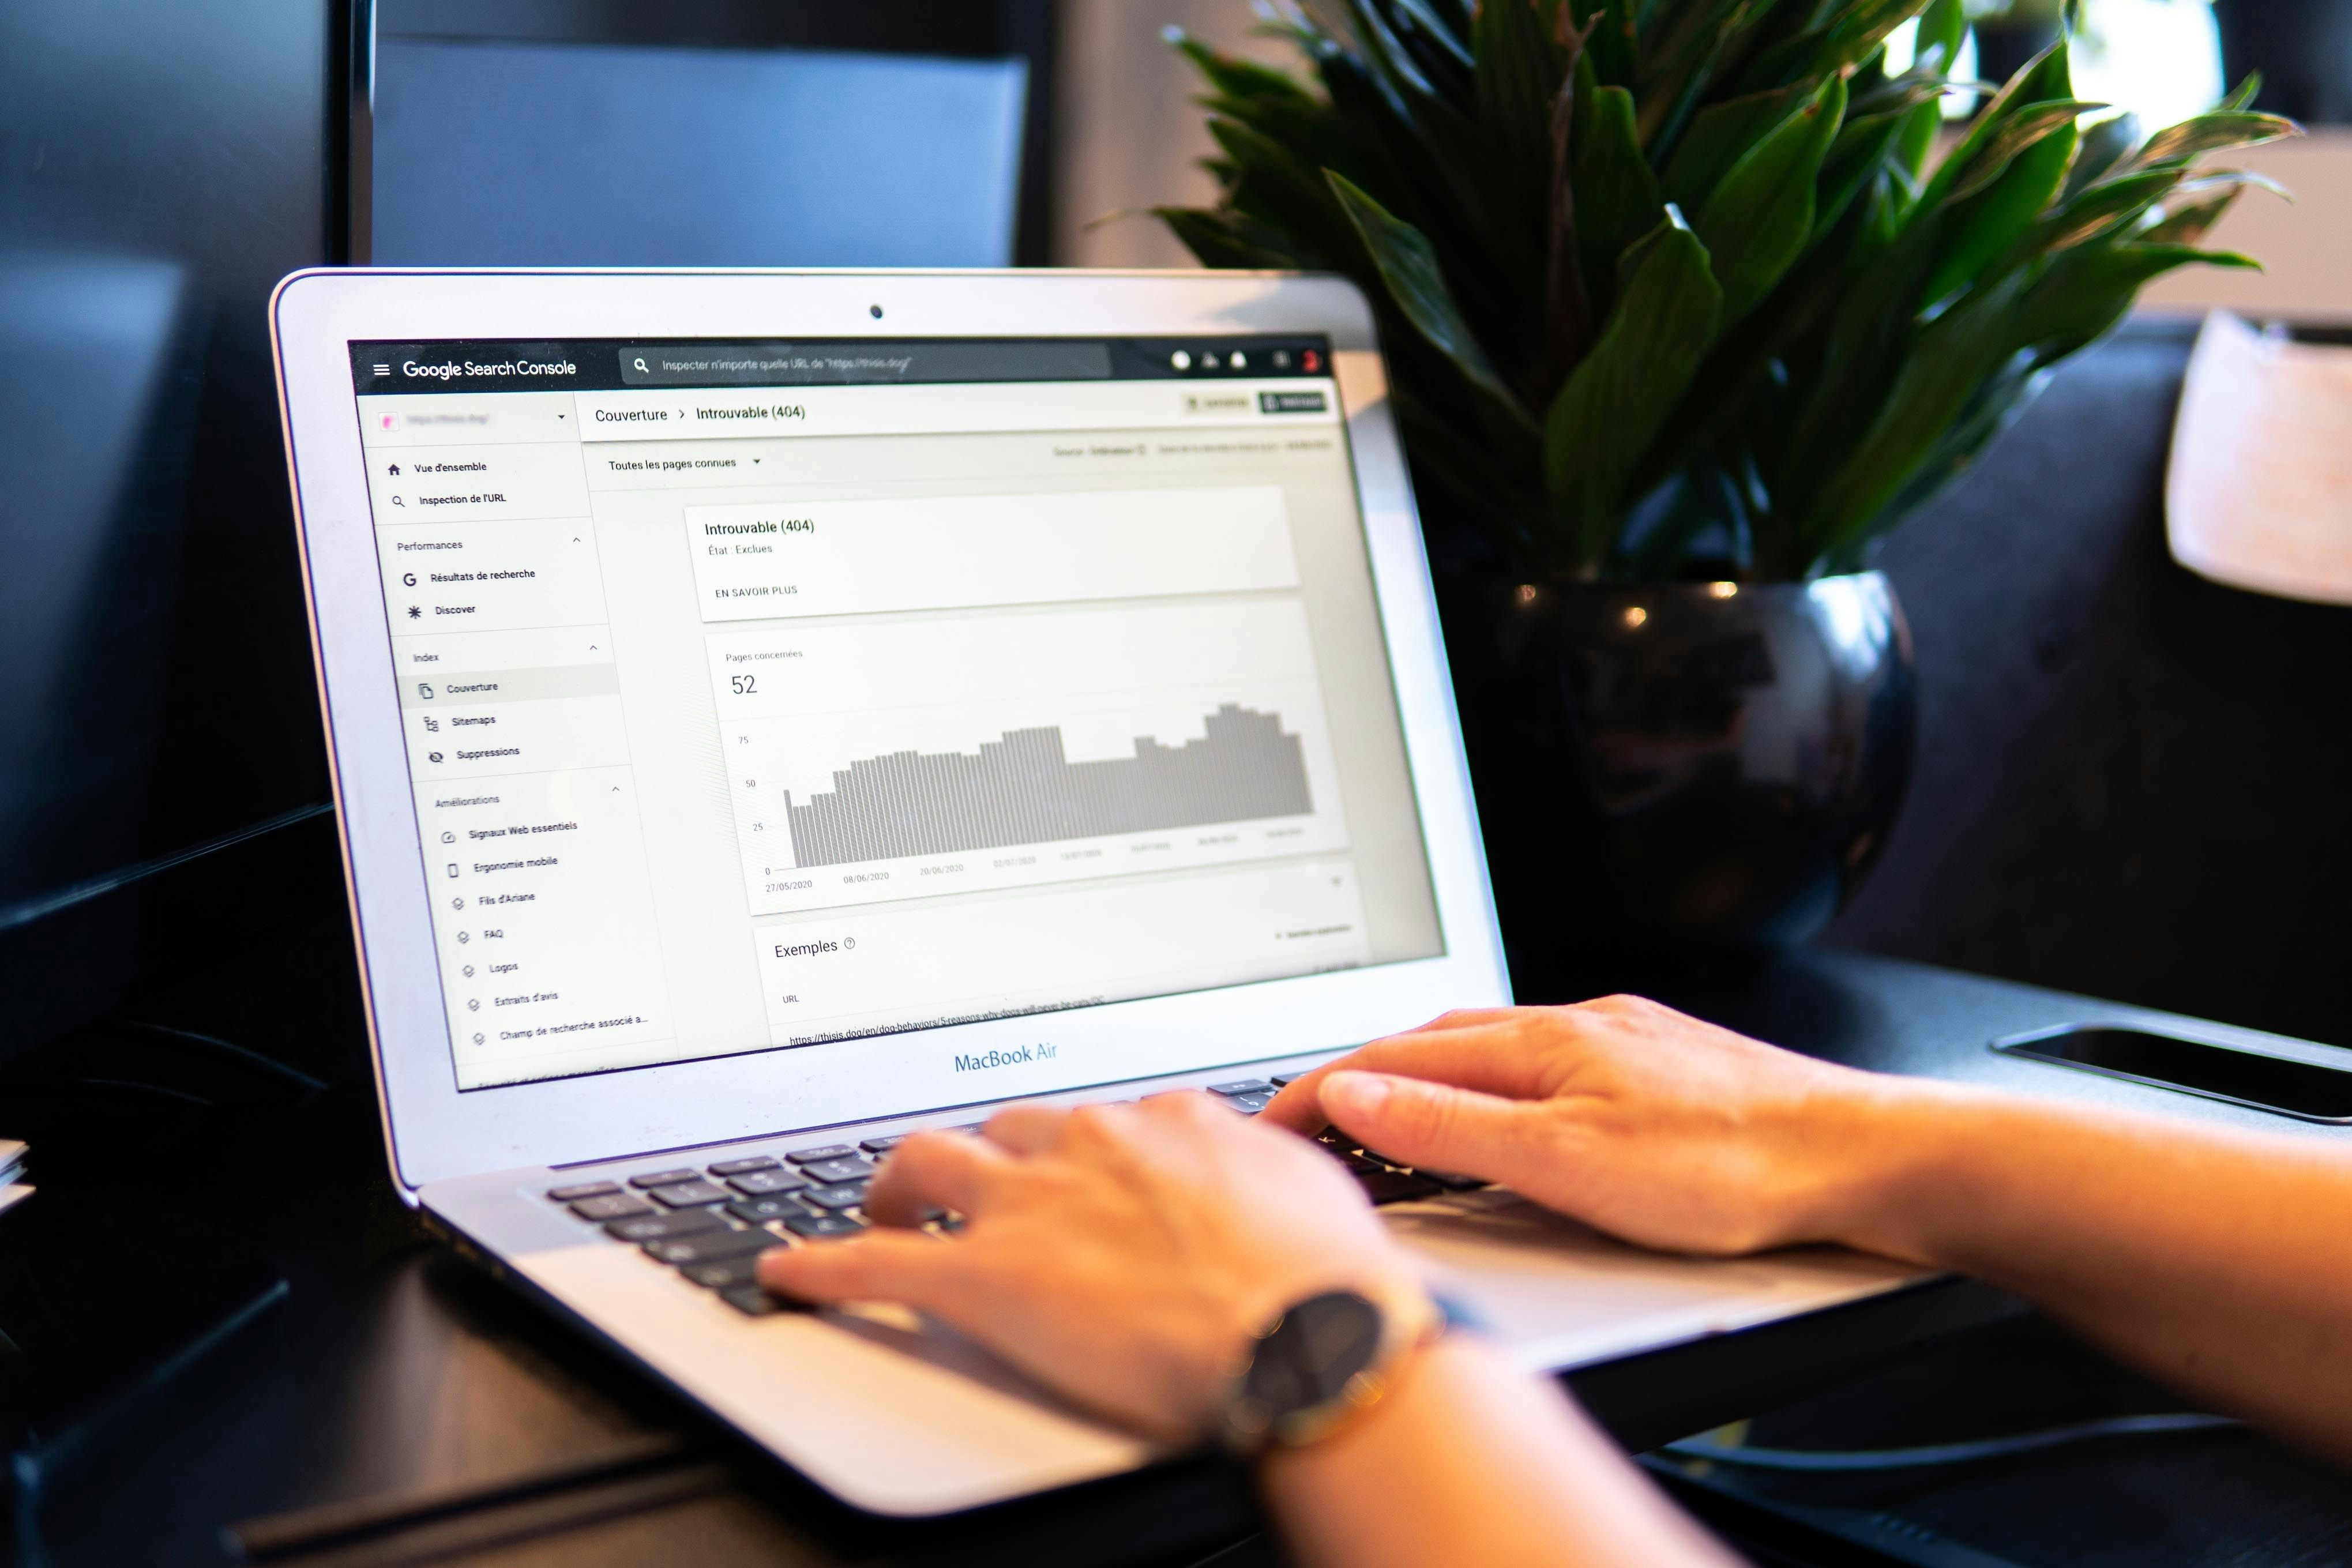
1625 1114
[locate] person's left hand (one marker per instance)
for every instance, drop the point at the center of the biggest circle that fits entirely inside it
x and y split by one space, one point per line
1122 1254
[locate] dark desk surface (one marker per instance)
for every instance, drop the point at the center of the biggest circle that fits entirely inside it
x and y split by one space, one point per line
392 1372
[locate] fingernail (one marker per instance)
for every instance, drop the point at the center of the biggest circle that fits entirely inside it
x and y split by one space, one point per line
1364 1093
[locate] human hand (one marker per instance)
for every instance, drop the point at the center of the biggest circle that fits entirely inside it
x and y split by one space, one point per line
1625 1114
1122 1254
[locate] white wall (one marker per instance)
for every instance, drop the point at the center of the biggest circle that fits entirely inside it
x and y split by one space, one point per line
1129 131
2305 245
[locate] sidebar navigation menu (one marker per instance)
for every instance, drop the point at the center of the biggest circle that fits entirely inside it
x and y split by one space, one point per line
509 695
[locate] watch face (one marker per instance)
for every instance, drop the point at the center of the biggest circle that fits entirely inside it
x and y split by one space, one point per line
1309 1358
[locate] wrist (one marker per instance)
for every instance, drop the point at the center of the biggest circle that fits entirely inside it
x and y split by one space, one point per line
1322 1363
1903 1145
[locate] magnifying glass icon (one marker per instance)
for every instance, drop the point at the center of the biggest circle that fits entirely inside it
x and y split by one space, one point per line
641 369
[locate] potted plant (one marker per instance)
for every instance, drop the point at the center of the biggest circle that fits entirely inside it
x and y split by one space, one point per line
1683 313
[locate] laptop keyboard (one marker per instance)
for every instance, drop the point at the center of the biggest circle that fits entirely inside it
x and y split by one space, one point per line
711 1223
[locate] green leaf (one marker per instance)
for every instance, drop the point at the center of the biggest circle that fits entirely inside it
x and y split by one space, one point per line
2108 207
2105 144
1517 76
1759 219
1617 199
2001 212
1721 134
1615 403
1861 151
1613 49
1216 241
2078 298
2211 133
2196 207
1408 267
1239 79
1673 66
2028 128
1941 27
1276 188
1953 356
2045 79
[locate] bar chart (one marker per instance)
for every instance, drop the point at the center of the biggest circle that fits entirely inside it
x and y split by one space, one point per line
878 762
1023 789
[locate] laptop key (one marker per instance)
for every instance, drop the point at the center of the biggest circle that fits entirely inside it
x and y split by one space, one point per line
1240 1087
690 1194
752 1301
1284 1079
719 1274
613 1205
743 1167
585 1189
708 1246
823 1227
655 1227
883 1146
1250 1104
665 1178
848 1195
1396 1187
762 1183
821 1152
759 1210
827 1173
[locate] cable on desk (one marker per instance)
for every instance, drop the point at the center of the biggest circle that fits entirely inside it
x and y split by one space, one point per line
1826 1460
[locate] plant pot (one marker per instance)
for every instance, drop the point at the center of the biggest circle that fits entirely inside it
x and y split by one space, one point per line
1677 777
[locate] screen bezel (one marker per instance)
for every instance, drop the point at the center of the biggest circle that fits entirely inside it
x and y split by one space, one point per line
433 1130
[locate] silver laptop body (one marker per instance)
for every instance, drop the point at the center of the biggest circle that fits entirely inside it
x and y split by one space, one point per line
773 712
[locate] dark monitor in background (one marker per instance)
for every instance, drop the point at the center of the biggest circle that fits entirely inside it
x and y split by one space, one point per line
716 133
160 167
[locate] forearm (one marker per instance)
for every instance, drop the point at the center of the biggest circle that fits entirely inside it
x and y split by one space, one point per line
2218 1262
1468 1460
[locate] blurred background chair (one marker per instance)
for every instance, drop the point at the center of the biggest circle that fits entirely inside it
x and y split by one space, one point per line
582 149
2130 781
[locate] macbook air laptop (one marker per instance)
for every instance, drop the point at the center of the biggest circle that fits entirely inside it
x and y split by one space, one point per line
771 713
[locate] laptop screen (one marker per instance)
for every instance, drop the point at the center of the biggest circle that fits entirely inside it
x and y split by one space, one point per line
757 694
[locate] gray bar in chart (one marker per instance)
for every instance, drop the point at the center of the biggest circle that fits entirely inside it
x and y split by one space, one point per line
1020 789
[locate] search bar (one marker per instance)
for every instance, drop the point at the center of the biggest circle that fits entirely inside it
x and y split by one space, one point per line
853 363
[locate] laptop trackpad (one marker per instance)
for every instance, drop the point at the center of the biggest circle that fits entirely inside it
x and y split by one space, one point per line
1557 1294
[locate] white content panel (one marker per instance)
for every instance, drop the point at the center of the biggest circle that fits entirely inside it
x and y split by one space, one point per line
799 558
880 971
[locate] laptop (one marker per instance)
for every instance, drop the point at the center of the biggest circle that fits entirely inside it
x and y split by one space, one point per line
772 713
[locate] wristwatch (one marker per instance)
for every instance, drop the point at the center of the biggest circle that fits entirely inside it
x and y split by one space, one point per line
1321 1362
